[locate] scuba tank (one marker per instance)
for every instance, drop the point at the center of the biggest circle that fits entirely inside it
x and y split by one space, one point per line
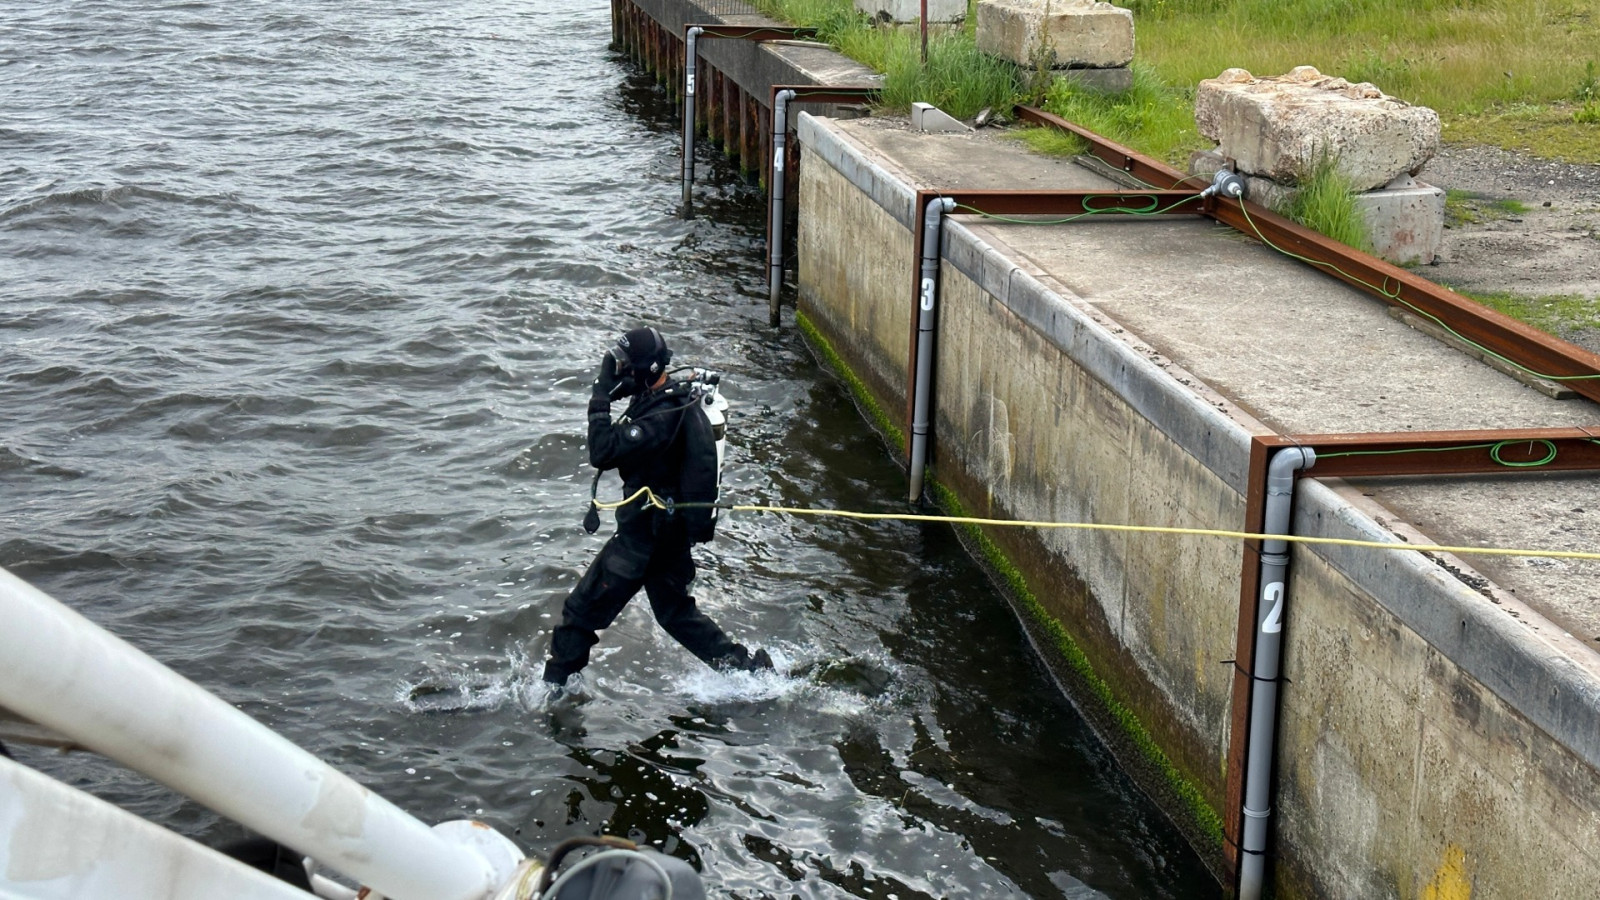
706 385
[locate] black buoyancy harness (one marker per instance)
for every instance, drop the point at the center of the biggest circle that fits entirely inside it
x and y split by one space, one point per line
702 426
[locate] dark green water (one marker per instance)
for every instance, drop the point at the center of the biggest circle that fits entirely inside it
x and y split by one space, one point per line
299 305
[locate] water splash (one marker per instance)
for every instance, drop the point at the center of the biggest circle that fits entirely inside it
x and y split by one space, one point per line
847 686
462 687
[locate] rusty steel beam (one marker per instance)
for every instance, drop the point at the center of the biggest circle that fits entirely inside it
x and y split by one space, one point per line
1069 203
751 32
1542 354
1450 452
1244 653
1150 171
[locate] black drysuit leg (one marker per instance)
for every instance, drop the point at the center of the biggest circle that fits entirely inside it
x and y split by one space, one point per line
664 568
612 580
666 582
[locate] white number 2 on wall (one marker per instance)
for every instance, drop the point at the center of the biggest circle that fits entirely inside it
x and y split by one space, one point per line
1273 595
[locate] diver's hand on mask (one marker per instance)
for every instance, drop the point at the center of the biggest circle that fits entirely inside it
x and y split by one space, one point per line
608 381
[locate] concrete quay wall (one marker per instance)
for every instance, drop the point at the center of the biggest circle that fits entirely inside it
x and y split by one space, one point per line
1430 745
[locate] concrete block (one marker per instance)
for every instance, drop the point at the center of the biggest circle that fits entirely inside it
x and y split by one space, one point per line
1281 127
901 11
1405 218
1059 34
1116 80
927 117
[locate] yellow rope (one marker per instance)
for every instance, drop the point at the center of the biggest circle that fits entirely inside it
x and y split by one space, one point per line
618 504
655 501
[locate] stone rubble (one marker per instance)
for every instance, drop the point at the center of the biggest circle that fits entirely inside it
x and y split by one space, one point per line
1281 127
1062 34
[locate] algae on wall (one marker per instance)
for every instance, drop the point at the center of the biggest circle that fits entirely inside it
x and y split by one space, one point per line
1092 694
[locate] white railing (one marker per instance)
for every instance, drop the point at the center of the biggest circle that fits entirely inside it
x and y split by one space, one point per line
68 674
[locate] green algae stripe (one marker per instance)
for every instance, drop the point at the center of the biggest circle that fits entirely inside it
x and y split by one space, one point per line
1199 811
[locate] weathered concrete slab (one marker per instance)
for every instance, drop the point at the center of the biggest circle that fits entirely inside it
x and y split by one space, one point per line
902 11
1112 370
1056 33
1114 80
1282 127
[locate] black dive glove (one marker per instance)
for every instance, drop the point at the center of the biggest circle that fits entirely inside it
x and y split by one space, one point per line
608 381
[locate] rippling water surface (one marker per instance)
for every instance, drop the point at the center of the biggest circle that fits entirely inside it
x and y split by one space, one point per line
299 303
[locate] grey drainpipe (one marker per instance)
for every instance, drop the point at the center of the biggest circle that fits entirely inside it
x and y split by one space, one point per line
689 65
780 138
1264 677
922 392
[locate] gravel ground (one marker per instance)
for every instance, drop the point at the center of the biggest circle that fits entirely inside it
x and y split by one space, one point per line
1552 248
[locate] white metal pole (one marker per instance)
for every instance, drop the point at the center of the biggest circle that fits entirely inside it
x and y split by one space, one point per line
66 673
691 62
58 843
927 315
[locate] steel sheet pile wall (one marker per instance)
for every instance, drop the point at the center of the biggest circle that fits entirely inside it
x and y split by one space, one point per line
734 76
1430 744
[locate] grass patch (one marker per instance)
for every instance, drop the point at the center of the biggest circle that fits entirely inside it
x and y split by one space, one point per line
1478 61
1559 314
1470 208
1554 131
1151 116
1051 142
1517 74
957 78
1326 203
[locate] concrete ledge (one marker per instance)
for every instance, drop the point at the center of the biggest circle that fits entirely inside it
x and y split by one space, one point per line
1428 722
1218 442
892 194
1544 684
756 67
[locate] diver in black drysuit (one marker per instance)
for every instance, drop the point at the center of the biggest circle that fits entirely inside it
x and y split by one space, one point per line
664 441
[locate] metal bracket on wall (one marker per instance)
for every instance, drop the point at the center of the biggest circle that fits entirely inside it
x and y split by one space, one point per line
692 34
1444 453
784 158
1016 203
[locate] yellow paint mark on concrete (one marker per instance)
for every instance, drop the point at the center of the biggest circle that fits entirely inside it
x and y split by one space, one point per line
1450 881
